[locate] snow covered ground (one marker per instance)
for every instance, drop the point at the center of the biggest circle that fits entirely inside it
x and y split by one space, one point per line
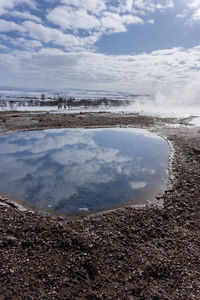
157 105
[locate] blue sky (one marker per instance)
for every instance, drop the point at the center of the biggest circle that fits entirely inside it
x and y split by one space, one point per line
139 46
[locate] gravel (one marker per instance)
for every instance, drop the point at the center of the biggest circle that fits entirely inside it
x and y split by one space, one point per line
150 252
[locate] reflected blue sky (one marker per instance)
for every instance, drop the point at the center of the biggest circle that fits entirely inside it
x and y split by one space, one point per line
76 170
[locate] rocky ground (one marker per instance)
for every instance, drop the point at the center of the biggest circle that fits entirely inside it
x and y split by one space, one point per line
12 121
145 253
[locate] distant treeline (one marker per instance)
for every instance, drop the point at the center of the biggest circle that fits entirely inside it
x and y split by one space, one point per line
64 101
72 102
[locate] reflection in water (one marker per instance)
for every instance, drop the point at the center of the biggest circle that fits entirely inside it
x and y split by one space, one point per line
82 169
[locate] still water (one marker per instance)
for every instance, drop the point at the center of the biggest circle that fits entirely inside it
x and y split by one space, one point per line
79 170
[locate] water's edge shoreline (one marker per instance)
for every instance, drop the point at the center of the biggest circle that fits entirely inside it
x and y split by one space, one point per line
140 122
153 247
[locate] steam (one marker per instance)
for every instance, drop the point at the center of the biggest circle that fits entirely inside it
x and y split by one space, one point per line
171 101
181 101
185 97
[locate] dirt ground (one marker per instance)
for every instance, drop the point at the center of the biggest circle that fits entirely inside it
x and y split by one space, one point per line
150 252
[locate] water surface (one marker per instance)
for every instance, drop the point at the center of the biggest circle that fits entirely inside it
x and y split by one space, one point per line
79 170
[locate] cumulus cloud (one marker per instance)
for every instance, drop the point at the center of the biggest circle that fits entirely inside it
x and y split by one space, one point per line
95 6
113 21
47 34
194 4
6 26
26 44
2 47
30 3
24 15
141 7
150 21
79 17
70 18
193 11
182 15
98 17
55 68
59 48
75 24
196 15
150 5
6 5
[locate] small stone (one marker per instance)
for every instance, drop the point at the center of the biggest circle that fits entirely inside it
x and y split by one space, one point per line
196 149
10 240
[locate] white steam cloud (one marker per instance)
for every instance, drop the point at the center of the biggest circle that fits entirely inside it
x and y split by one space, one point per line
181 102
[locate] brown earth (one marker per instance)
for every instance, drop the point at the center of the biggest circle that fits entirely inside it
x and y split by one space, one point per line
145 253
12 121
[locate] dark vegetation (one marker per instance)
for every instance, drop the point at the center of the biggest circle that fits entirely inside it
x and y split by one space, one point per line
61 102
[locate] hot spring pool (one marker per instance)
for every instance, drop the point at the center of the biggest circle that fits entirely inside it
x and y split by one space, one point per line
83 170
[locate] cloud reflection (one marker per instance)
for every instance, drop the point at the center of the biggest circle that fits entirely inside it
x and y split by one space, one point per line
74 168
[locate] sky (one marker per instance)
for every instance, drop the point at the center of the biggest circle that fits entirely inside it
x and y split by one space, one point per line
135 46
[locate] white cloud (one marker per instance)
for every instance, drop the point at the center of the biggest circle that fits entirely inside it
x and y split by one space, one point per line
170 4
181 16
194 6
95 6
191 12
115 22
95 18
6 5
151 5
142 4
120 6
137 185
129 5
172 68
24 15
2 47
150 21
196 15
98 17
48 34
20 42
31 3
27 44
6 26
77 24
71 18
57 37
108 22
